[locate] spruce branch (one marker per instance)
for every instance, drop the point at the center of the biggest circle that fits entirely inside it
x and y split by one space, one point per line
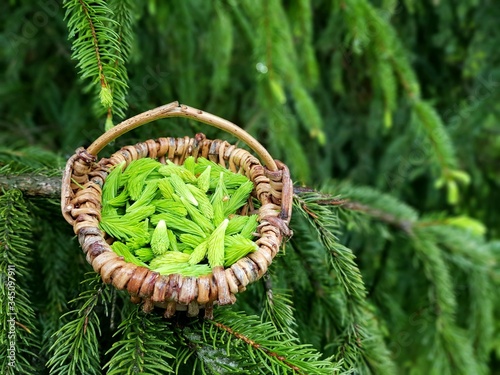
271 37
31 184
279 311
210 355
60 271
144 344
360 348
98 49
266 346
373 204
475 263
257 346
453 348
18 343
76 345
123 11
18 160
391 61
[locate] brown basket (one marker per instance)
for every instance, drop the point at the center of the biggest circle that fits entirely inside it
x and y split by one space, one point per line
82 184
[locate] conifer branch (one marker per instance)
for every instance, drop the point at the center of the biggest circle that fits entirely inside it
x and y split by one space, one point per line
32 185
18 343
267 347
145 344
123 11
98 49
257 346
95 43
393 61
404 224
359 347
455 351
76 345
59 258
279 310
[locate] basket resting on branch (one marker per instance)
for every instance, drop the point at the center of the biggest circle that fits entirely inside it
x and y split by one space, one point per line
81 204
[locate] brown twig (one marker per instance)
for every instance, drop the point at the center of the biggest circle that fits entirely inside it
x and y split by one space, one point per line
404 225
102 78
32 185
256 345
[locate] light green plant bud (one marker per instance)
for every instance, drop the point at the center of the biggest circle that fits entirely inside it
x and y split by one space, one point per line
122 250
191 240
169 258
189 164
109 122
173 240
238 198
178 223
215 251
219 200
170 206
250 227
236 224
136 174
453 195
106 97
182 190
159 240
112 183
120 200
184 269
231 179
198 217
203 180
204 204
138 214
166 188
463 221
144 254
461 176
120 229
135 243
236 247
147 195
140 166
172 169
198 253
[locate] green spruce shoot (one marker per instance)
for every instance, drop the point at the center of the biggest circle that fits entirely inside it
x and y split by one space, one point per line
178 218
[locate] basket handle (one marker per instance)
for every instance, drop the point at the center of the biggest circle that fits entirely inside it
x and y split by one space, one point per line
175 109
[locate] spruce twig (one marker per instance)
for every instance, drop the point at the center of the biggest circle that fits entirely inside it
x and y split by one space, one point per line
76 345
257 346
32 185
349 204
270 351
19 344
144 344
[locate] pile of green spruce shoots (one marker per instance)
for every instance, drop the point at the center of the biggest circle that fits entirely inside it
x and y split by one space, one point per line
178 218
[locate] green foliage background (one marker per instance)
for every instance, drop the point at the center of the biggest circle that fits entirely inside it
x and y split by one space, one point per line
388 111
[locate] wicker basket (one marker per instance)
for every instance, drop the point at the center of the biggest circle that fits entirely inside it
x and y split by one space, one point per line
82 184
